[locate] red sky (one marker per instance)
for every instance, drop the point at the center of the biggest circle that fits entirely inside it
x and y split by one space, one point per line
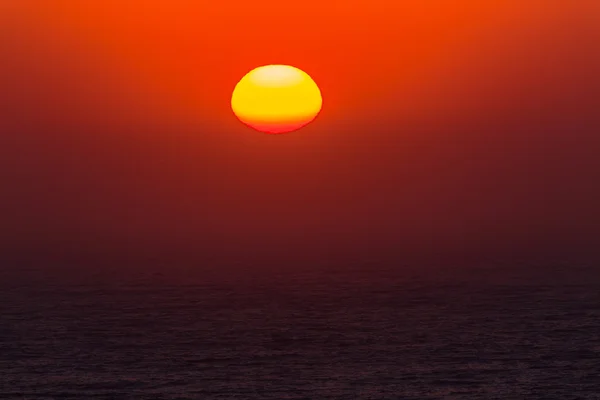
448 127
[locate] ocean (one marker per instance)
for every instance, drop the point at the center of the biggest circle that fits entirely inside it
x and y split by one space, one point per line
526 332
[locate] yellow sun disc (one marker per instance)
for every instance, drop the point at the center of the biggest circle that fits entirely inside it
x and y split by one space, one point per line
276 99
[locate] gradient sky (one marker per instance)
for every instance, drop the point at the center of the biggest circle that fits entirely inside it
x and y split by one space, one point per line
460 127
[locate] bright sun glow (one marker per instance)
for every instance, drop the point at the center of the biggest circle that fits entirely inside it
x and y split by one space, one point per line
276 99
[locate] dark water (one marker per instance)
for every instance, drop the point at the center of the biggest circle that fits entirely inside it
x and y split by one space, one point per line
346 334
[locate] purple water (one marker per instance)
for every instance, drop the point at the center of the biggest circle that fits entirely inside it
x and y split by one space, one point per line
355 333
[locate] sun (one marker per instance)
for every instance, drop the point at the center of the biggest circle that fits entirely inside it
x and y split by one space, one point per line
276 99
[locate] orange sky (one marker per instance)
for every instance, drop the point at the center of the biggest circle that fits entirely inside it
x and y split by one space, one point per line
365 54
441 120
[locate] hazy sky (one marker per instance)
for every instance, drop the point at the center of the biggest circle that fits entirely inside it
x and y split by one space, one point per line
448 127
